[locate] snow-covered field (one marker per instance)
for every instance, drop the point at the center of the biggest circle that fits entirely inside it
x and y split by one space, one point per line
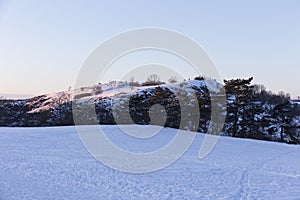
52 163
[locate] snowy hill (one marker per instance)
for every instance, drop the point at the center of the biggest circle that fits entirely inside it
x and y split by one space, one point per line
56 109
248 113
51 163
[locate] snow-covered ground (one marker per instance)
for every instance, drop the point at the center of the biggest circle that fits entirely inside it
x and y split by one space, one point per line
52 163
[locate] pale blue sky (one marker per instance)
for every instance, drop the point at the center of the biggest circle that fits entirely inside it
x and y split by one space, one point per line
44 43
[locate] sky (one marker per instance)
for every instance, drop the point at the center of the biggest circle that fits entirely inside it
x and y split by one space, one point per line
43 44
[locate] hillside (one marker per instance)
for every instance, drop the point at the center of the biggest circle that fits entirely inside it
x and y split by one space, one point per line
249 112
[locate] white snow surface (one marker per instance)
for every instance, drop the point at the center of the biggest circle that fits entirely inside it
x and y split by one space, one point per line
52 163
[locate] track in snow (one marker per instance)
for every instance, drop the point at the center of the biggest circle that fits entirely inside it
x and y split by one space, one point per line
51 163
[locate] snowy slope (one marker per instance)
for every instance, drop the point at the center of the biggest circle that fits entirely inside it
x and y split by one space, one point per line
112 89
51 163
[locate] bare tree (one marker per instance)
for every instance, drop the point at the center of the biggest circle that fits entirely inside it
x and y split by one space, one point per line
153 78
131 80
98 89
173 79
259 89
